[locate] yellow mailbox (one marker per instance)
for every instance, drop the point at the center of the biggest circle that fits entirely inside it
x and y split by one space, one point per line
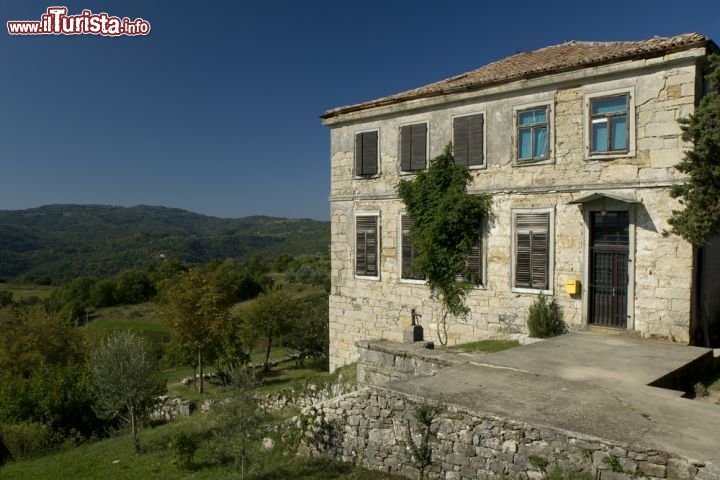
572 286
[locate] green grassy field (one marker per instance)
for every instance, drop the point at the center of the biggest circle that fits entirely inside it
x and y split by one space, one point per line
487 346
22 292
113 458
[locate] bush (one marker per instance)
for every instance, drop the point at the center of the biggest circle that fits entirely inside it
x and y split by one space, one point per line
545 319
6 298
184 446
27 439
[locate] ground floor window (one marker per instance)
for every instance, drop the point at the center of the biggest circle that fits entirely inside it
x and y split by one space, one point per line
366 245
532 250
408 252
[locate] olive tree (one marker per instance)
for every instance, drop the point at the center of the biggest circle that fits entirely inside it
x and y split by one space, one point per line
125 380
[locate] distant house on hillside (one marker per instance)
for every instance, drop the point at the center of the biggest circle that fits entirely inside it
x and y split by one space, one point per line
576 143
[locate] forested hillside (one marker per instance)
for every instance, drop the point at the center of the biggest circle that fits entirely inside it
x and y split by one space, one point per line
65 241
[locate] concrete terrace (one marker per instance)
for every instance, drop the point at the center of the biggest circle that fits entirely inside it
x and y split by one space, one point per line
591 384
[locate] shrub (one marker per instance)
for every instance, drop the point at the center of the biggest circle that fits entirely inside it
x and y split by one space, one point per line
184 446
545 319
26 439
6 298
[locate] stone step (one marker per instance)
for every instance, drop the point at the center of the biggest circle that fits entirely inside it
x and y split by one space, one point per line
614 331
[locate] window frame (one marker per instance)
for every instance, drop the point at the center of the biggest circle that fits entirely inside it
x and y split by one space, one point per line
356 176
551 250
377 216
400 256
550 125
399 147
630 124
485 129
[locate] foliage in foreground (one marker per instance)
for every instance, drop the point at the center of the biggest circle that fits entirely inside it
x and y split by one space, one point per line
545 319
421 454
446 222
126 380
699 221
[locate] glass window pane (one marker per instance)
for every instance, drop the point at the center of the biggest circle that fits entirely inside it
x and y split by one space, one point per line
525 144
531 117
619 132
609 105
540 142
599 136
527 118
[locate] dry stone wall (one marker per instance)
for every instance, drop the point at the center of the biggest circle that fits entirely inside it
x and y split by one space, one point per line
661 268
370 427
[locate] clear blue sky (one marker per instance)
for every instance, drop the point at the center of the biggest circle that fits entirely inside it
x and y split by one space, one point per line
216 111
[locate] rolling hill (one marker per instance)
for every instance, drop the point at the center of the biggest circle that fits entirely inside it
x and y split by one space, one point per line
64 241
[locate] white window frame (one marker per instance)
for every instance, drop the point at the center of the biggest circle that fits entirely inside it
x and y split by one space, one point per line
400 258
482 112
379 245
379 167
402 172
551 251
630 92
551 133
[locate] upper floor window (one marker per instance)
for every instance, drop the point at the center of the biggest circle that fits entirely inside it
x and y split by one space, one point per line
366 245
413 147
469 140
609 124
366 153
408 252
533 134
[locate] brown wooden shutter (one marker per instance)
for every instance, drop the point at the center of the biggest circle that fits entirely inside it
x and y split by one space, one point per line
406 148
358 154
366 246
475 155
532 250
370 153
460 140
366 154
408 252
419 146
474 262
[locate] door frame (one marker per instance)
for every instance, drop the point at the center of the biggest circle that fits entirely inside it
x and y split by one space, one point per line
608 204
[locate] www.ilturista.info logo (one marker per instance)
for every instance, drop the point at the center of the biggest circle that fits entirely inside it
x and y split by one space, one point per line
56 21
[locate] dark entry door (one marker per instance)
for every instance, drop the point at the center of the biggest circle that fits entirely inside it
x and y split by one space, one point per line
609 255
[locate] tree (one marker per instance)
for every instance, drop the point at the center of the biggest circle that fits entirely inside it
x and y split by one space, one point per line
269 317
30 338
446 220
196 309
6 298
125 380
133 286
309 333
241 418
699 221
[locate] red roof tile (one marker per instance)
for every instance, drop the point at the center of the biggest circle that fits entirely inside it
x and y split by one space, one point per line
557 58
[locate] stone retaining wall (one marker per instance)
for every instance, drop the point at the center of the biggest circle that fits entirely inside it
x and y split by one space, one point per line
370 427
380 361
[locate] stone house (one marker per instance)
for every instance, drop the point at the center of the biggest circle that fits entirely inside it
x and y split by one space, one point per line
576 143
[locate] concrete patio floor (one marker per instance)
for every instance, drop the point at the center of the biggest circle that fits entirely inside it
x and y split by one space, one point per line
588 383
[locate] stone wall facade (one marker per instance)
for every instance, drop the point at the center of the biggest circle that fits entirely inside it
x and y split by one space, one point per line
370 427
661 91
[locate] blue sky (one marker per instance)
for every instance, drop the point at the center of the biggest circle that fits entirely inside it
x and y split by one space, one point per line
216 111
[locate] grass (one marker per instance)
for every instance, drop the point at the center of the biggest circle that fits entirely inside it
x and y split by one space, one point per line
21 292
114 458
487 346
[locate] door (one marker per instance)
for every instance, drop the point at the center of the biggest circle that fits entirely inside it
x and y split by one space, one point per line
609 255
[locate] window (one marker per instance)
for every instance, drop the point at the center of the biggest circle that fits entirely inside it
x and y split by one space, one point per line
366 154
532 135
468 140
609 124
366 245
532 251
474 262
413 147
408 252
